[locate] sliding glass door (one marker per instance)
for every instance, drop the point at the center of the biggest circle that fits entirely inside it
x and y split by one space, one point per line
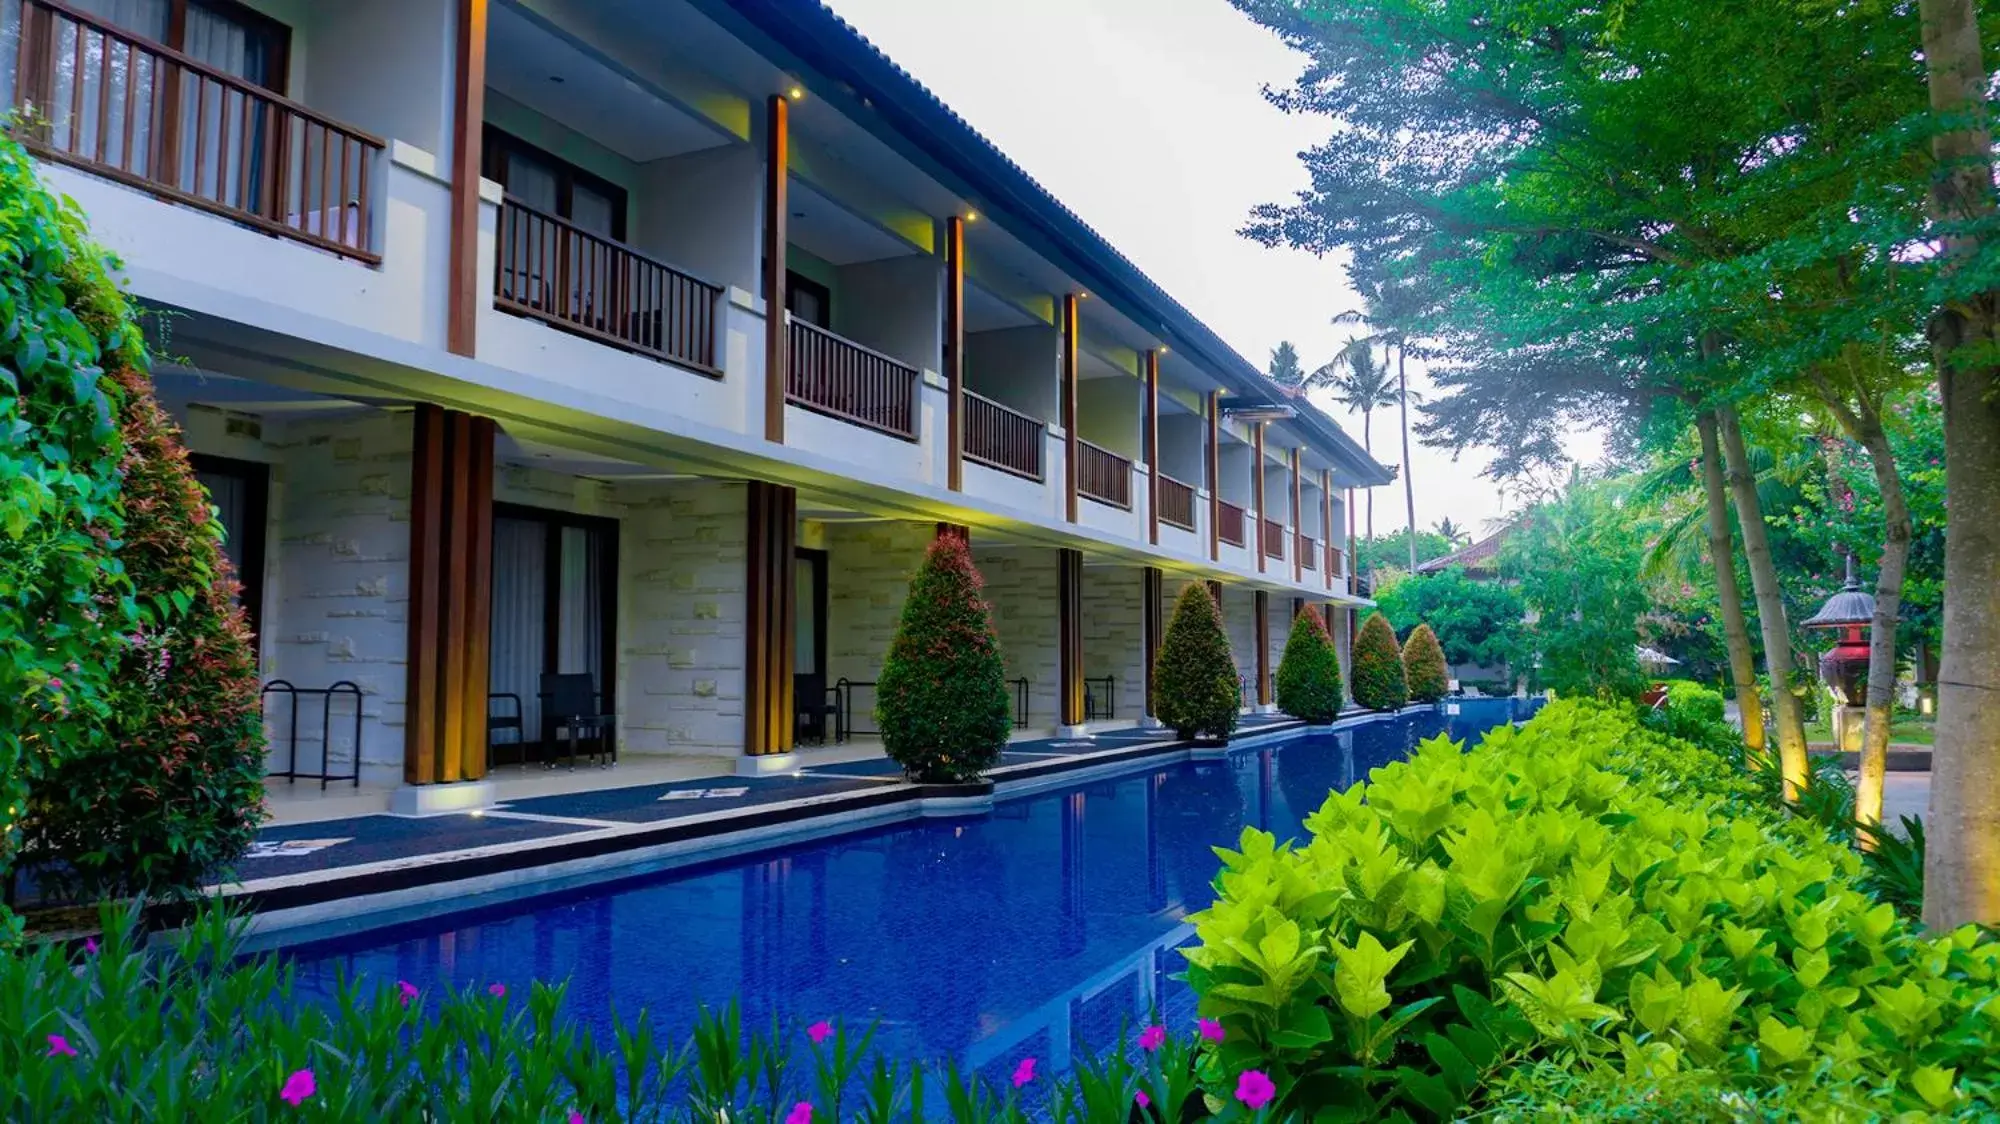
554 613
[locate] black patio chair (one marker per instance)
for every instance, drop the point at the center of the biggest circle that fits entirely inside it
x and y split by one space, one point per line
817 707
499 723
570 704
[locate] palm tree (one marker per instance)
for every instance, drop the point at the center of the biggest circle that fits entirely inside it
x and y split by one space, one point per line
1360 382
1386 330
1451 531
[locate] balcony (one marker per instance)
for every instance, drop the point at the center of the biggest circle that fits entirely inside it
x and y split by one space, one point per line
1103 476
1229 524
137 112
1308 553
1176 502
998 437
552 270
840 378
1274 539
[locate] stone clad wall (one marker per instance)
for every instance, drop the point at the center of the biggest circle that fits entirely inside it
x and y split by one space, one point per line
1239 622
1021 587
682 612
869 566
1114 638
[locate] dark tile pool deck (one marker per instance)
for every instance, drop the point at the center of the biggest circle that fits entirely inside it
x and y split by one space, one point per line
316 862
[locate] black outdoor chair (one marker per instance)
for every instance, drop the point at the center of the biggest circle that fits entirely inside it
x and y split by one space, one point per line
570 704
816 706
497 723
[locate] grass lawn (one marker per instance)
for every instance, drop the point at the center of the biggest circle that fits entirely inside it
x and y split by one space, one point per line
1905 730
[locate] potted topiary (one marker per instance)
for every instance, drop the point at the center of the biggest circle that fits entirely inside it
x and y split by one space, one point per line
1309 672
941 700
1194 676
1423 666
1378 666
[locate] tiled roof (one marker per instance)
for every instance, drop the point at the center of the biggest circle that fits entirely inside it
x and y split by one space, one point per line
1482 555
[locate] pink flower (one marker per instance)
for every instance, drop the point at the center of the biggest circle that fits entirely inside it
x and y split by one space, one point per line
802 1113
90 946
298 1087
1211 1031
1024 1073
406 991
1152 1038
1142 1100
497 991
59 1047
1254 1089
819 1031
575 1117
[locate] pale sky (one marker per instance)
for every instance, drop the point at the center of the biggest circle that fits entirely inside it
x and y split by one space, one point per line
1146 118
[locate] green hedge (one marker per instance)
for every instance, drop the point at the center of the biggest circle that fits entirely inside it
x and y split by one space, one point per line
1195 693
1584 908
941 700
1423 666
1309 672
1379 682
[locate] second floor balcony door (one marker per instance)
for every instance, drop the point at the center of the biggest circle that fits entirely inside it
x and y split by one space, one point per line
563 263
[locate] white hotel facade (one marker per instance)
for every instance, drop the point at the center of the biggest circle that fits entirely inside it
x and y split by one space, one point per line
650 341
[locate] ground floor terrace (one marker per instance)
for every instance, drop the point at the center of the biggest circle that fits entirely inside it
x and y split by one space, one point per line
448 606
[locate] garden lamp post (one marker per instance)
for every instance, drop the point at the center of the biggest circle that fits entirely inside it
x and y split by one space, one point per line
1844 669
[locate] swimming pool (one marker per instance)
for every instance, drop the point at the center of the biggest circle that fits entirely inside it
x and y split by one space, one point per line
1041 927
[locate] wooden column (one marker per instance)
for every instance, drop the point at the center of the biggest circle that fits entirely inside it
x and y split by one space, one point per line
467 127
954 350
1152 614
1070 343
1263 648
1069 634
777 212
451 597
1255 534
1326 523
770 631
1215 478
1298 524
1353 558
1152 443
1215 591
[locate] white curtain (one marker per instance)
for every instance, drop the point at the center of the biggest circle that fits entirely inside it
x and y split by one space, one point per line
579 646
106 70
215 154
519 599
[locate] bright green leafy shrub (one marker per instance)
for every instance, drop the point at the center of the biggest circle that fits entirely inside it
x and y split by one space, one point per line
941 700
1309 672
1377 663
1195 692
1423 666
1588 894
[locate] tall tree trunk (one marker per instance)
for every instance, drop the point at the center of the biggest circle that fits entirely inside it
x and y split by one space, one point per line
1771 618
1735 626
1409 487
1962 867
1368 446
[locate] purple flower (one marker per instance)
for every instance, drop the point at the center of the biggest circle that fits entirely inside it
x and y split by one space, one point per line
405 991
802 1113
1024 1073
1152 1038
575 1117
90 946
497 991
298 1087
1254 1089
1142 1100
819 1031
59 1047
1211 1031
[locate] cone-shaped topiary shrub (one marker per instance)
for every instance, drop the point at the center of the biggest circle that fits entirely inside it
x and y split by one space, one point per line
1378 666
1309 673
1423 666
941 701
1194 677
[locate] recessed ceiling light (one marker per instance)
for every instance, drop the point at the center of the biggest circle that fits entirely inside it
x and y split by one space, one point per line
795 93
557 79
798 214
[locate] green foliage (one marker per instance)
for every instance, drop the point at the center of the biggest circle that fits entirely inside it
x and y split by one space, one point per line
1377 664
67 603
1285 369
1195 692
1477 622
1577 559
941 700
1309 672
1581 906
1391 550
175 791
1423 666
1694 713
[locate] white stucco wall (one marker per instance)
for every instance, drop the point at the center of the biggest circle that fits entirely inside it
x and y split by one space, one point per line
386 66
1108 413
1016 367
1183 448
701 213
896 307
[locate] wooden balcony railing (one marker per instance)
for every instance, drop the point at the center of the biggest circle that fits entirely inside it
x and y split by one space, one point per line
1103 475
1308 553
554 270
1229 527
136 111
841 378
1003 438
1274 538
1176 503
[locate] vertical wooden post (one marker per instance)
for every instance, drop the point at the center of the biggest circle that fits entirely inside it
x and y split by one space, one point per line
420 696
770 633
1326 523
1215 478
1069 634
954 350
1151 441
1298 523
1263 648
1152 613
451 597
777 213
468 126
1215 591
1256 535
958 531
478 599
1070 344
1353 557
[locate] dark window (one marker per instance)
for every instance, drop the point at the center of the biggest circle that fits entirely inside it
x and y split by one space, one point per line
554 612
550 184
808 300
240 493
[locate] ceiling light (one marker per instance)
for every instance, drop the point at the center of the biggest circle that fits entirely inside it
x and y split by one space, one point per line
795 93
972 216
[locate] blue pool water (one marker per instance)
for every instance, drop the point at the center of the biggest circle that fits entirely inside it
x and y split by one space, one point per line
1042 927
